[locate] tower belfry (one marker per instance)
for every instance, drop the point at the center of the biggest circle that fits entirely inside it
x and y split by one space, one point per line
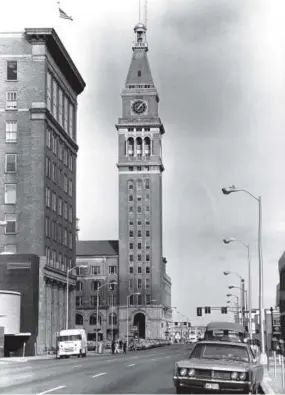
142 276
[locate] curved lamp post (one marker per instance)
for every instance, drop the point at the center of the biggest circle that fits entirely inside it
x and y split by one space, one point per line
247 246
97 309
226 241
228 191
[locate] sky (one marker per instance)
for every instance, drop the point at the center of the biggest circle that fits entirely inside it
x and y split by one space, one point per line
219 67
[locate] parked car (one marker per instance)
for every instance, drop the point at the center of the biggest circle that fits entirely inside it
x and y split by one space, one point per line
219 366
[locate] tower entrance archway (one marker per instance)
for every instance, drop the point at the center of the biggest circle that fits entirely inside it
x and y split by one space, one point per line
139 321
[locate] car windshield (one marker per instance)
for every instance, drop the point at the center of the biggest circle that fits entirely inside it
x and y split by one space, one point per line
220 351
69 338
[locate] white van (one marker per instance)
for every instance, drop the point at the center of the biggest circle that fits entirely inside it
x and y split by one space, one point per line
72 342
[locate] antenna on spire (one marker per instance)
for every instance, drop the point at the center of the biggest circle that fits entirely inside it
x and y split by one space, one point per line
145 13
140 6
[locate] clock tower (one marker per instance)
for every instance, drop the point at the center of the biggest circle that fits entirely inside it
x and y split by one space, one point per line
144 287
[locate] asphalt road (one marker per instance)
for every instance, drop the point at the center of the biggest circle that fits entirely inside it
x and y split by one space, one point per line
142 372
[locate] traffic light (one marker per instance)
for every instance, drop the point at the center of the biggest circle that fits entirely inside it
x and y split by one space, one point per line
207 310
224 310
199 311
189 324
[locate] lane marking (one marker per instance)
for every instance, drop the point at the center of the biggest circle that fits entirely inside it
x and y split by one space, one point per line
109 360
23 376
51 390
76 366
167 357
99 374
153 359
132 364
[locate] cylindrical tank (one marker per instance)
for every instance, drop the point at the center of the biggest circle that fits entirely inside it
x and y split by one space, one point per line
10 312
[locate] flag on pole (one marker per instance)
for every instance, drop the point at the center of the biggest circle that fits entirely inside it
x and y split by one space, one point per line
63 15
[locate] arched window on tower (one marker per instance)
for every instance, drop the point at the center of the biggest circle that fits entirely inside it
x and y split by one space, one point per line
139 146
130 146
147 146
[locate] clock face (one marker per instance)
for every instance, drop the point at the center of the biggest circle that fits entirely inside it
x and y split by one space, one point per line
139 106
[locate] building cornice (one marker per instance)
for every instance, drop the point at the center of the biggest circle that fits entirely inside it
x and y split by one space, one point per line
59 53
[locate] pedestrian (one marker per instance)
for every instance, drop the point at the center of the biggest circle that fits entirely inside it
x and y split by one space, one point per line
117 348
121 345
113 346
125 347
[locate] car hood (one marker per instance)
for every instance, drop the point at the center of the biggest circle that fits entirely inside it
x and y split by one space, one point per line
213 364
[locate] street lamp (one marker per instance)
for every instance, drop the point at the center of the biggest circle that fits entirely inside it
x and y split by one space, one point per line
227 241
128 297
67 293
227 191
244 299
97 309
247 246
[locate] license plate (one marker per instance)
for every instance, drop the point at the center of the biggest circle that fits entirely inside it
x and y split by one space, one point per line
212 386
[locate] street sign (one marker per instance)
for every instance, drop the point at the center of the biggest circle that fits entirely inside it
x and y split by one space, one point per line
133 328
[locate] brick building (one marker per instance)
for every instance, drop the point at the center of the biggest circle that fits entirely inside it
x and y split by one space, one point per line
38 107
143 282
97 271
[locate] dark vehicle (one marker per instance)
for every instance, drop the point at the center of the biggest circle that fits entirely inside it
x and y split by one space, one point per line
225 331
215 366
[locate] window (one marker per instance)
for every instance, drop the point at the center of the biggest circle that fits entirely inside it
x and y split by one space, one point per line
147 222
112 269
11 131
111 300
11 224
53 202
139 73
93 320
139 168
78 319
131 222
147 270
47 226
71 112
139 269
112 319
65 237
11 248
148 299
131 258
139 258
112 286
65 211
131 198
65 155
131 233
147 233
54 98
139 246
147 258
131 284
12 70
131 270
65 118
139 209
139 283
95 270
147 208
10 163
139 221
70 240
60 151
131 246
131 209
131 300
139 300
49 83
59 178
131 186
146 184
147 283
59 206
78 301
65 183
131 168
147 196
59 234
139 233
139 198
54 144
60 106
11 100
70 162
70 214
10 193
70 188
95 285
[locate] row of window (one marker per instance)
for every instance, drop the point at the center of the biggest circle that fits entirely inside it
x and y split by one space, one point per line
139 283
112 301
58 177
139 184
139 197
58 233
143 168
58 205
139 147
139 221
139 129
95 270
138 300
95 285
139 270
139 234
139 209
93 318
57 260
59 105
139 258
57 146
93 300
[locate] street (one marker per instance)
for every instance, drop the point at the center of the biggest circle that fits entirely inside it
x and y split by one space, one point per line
149 371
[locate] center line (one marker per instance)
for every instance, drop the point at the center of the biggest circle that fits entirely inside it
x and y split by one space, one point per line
53 389
99 374
167 357
76 366
153 359
132 364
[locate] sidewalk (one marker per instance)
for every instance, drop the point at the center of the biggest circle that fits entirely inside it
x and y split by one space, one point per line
271 384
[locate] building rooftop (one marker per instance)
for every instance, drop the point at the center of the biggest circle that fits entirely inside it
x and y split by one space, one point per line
97 248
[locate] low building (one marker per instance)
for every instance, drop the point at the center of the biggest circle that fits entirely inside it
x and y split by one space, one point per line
281 267
97 271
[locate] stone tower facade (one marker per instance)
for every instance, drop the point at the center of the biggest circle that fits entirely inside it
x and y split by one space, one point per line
144 287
